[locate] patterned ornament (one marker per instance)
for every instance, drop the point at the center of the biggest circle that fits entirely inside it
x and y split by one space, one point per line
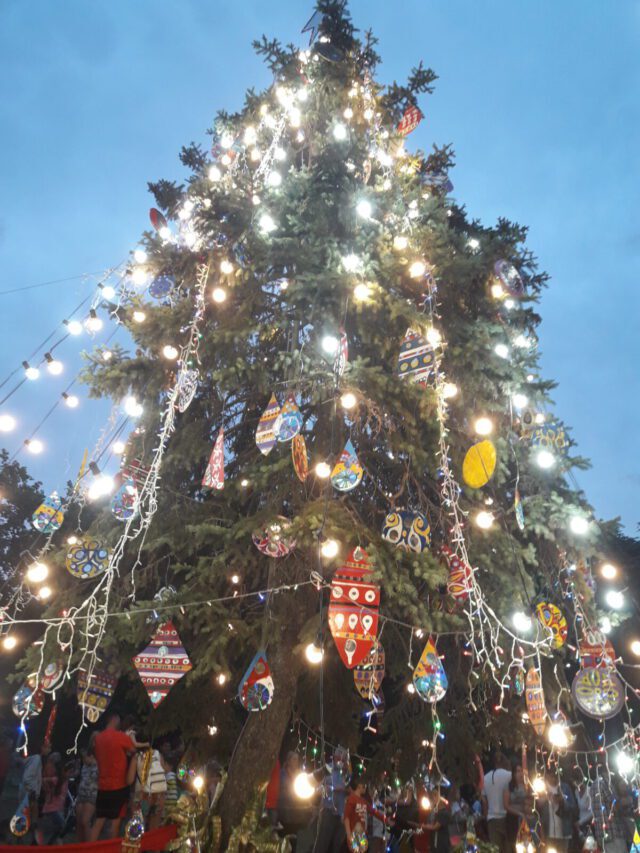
353 608
87 558
266 432
460 575
409 121
509 277
368 675
49 516
342 355
549 437
187 387
133 831
161 286
213 477
407 529
596 650
519 681
518 510
598 692
429 677
438 181
48 732
534 697
255 691
551 617
289 421
417 358
21 821
527 420
51 675
479 464
157 219
347 472
273 540
299 457
124 503
329 51
94 693
27 702
162 663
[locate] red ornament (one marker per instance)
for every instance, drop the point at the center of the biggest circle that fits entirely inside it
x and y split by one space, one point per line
460 575
162 663
409 121
157 219
353 608
214 472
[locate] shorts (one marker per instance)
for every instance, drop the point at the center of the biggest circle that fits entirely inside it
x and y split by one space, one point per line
111 804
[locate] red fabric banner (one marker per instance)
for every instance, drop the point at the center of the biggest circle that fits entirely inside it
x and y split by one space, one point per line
156 839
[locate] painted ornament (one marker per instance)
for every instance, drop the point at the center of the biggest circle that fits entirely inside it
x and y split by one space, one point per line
266 433
213 477
157 219
162 663
460 575
299 457
347 472
596 650
534 697
49 516
368 675
519 681
635 846
124 503
20 823
328 51
479 464
417 358
289 421
509 277
518 510
161 286
342 355
598 692
187 387
51 676
87 558
552 618
27 702
353 608
94 693
255 691
408 530
273 539
409 121
549 437
429 677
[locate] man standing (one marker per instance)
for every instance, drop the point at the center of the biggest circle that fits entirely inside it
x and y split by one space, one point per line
112 750
496 783
330 831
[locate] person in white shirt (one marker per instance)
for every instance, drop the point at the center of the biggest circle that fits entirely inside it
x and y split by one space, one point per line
496 783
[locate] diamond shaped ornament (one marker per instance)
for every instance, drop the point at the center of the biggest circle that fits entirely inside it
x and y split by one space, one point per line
163 663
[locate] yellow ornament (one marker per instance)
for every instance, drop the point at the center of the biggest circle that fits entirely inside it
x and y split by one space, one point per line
479 464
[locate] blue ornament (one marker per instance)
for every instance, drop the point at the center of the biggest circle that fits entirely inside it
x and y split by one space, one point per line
408 530
161 286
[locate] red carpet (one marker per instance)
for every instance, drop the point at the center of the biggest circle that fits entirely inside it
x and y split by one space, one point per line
157 839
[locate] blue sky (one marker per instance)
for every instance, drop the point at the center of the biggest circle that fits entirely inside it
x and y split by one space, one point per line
539 98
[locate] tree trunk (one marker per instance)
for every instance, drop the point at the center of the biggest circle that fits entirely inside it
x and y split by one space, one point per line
259 743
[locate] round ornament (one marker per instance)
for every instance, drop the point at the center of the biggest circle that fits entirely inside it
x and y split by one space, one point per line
124 503
87 559
27 702
161 286
348 471
289 421
408 530
49 516
299 457
20 823
479 464
51 676
551 617
509 277
134 828
598 692
273 539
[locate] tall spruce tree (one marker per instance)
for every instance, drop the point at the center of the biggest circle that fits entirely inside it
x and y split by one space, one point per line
311 219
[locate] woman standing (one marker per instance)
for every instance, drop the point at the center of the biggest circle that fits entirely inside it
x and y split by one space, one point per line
54 782
87 792
515 796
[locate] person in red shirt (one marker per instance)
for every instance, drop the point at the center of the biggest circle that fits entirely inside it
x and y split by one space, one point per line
273 792
112 749
356 812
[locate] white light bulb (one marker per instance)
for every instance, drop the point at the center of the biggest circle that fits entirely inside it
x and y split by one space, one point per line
218 294
484 519
497 291
254 155
368 114
139 276
108 291
244 483
425 803
509 304
274 179
449 390
101 486
330 344
522 341
352 263
521 622
72 540
140 256
226 140
608 571
139 316
303 787
55 367
34 445
169 352
539 785
339 131
75 326
37 573
250 136
7 423
313 654
384 158
31 372
214 174
361 292
235 579
198 783
165 232
364 208
9 642
520 400
322 470
118 447
266 223
545 459
348 400
279 154
132 407
221 679
473 244
400 242
417 269
605 625
329 548
433 336
44 593
483 426
539 418
94 324
625 763
502 350
71 401
615 599
226 267
579 525
295 117
411 688
635 647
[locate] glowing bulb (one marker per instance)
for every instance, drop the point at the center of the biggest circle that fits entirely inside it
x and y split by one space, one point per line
132 407
72 540
221 679
473 244
322 470
502 350
109 292
559 735
520 401
31 372
521 622
254 155
539 785
71 401
279 154
361 292
34 445
218 294
417 269
9 642
364 208
352 263
433 336
37 573
226 140
348 400
368 114
449 390
303 787
139 275
54 366
274 179
74 327
44 593
7 423
250 136
313 654
330 344
226 267
139 316
235 579
244 483
170 352
484 519
118 447
329 548
339 131
94 324
615 599
605 625
635 648
509 304
198 783
101 486
483 426
295 117
608 571
497 291
579 525
522 342
266 223
545 459
214 174
411 688
165 232
140 256
624 763
400 242
425 803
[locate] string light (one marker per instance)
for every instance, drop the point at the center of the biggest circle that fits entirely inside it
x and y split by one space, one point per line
417 269
44 593
578 524
74 327
313 654
37 572
139 316
449 390
139 276
226 267
29 371
559 735
484 519
214 174
132 407
400 242
522 622
608 571
70 400
605 625
140 256
322 470
364 208
221 679
520 400
615 599
169 352
303 787
352 263
433 336
339 132
347 401
54 366
235 579
635 647
502 350
118 447
9 642
411 688
7 423
266 223
483 426
101 486
329 548
274 179
497 291
34 445
218 294
198 783
361 292
539 785
625 763
93 322
72 540
330 344
425 803
109 292
545 459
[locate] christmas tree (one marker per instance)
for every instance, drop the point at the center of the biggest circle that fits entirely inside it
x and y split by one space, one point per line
334 369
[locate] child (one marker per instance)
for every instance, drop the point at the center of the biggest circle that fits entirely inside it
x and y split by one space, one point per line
356 811
87 793
55 784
